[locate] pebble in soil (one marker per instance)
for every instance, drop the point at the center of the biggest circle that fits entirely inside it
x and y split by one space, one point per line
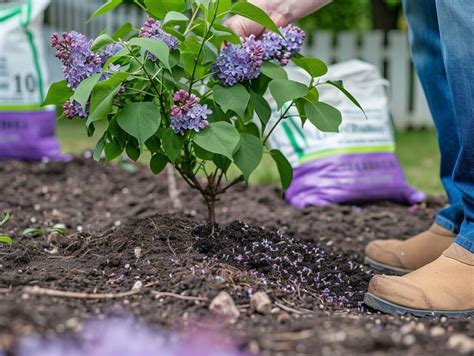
286 263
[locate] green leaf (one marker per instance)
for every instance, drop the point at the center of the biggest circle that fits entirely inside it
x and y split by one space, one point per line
339 86
159 8
174 16
221 162
153 144
222 8
122 31
262 108
84 90
273 71
158 162
140 120
107 7
99 147
284 168
6 239
315 67
157 47
103 97
58 93
113 150
5 219
235 98
325 117
101 103
286 90
249 155
219 137
101 41
133 152
201 153
224 33
254 13
172 144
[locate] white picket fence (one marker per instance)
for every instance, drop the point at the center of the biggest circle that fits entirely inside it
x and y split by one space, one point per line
389 52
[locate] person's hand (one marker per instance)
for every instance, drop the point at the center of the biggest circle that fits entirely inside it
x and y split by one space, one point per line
244 27
282 12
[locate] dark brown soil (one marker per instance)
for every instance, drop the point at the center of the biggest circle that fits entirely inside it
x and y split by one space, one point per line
308 261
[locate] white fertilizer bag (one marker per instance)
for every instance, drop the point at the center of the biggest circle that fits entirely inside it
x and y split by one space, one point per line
358 164
26 130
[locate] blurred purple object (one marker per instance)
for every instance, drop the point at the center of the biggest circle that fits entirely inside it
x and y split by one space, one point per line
29 135
351 178
124 336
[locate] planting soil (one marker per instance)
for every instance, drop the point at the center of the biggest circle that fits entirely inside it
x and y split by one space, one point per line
129 250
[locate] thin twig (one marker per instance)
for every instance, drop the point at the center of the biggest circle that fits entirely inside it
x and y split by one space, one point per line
283 116
289 309
231 184
178 296
77 295
171 247
191 82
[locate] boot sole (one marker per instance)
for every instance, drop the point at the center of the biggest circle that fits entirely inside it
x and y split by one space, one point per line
385 269
391 308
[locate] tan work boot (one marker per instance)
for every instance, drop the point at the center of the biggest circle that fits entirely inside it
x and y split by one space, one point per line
403 256
443 287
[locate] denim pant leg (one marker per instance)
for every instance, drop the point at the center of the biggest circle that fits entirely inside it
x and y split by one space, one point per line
456 24
426 46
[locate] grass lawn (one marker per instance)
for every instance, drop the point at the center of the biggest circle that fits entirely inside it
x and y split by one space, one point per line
417 151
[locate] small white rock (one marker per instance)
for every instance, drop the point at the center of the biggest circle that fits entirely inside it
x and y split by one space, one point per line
138 252
406 329
261 303
409 339
223 305
437 331
137 285
462 343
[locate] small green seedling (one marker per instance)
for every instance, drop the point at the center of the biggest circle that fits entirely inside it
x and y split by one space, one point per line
4 238
40 231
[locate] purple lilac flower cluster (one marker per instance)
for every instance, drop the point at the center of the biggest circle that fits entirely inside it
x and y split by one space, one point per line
79 63
187 113
237 64
289 264
152 29
283 48
126 336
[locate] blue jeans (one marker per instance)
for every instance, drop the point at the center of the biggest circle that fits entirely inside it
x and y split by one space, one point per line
442 41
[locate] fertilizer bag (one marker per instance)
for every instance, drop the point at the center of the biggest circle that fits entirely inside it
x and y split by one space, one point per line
358 164
26 130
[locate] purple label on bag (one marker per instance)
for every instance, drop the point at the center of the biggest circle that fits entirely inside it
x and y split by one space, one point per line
351 178
29 135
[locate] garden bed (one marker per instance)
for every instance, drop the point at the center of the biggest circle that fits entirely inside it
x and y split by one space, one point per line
121 228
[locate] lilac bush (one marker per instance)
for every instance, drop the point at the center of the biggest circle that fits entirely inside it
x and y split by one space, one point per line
190 92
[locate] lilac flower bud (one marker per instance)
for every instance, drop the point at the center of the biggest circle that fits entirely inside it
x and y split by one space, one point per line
152 29
74 109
